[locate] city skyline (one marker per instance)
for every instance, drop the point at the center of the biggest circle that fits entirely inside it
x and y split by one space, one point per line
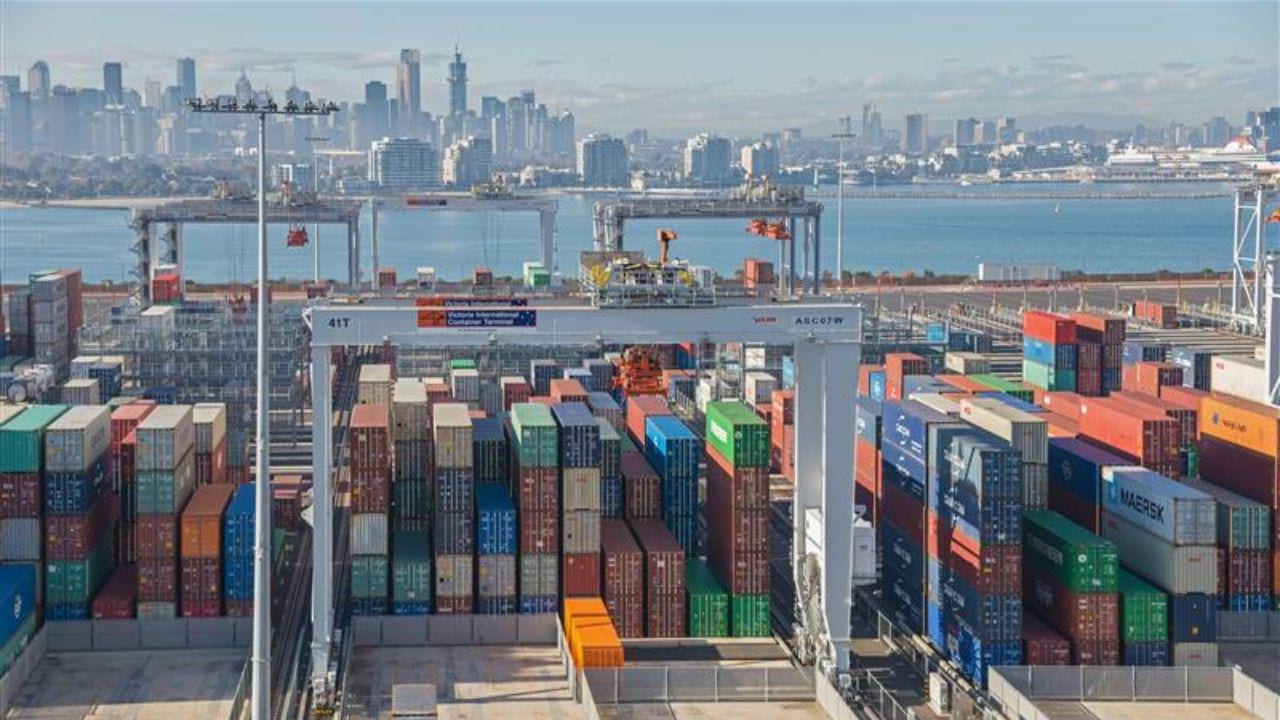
1100 70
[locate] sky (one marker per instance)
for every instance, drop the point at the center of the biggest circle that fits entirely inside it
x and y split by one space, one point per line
731 67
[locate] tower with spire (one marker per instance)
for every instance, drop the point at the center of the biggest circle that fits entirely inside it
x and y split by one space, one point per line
457 84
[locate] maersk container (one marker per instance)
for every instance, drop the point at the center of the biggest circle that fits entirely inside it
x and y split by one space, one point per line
738 434
18 598
496 576
708 602
77 581
369 532
77 439
535 436
579 435
1144 611
671 448
22 438
491 454
1177 569
369 576
164 492
1241 523
453 533
73 492
1166 508
495 520
1080 560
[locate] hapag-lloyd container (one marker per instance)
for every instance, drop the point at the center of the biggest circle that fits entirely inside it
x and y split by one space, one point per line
165 437
1175 512
1028 434
1177 569
622 567
77 439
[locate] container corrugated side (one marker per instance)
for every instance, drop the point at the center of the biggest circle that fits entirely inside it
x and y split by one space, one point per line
165 436
452 434
369 534
77 438
1242 523
1173 511
1080 560
1144 610
1177 569
738 434
22 438
1027 433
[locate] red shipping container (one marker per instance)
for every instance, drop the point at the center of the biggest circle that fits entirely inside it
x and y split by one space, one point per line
663 557
513 393
437 391
539 531
737 487
156 537
1095 652
211 468
742 573
1051 328
482 276
896 367
1149 436
864 378
623 575
537 489
239 608
1089 382
736 530
75 304
565 390
1149 376
1160 315
386 281
72 537
126 417
1066 404
201 587
1080 617
1058 425
1183 396
166 287
641 487
122 462
1074 508
1248 572
369 438
542 399
158 580
21 495
639 408
995 569
370 490
1099 328
905 512
784 407
1088 356
1186 417
757 272
580 574
1041 645
118 599
787 459
455 605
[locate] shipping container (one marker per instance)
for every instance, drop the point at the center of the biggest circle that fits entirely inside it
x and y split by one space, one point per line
1049 327
202 522
369 576
1042 645
118 598
1193 618
539 575
1244 378
642 487
71 493
672 449
165 437
71 537
410 569
1176 569
1144 611
1148 435
1077 559
579 435
535 437
374 385
77 581
77 439
496 532
580 573
664 579
1175 512
622 568
737 434
452 436
639 409
1027 433
22 438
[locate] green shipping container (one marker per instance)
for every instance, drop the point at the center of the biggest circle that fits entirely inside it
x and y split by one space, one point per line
22 438
708 602
410 499
535 435
1080 560
462 364
369 576
165 492
410 566
1047 378
749 616
77 581
1007 387
738 434
1144 610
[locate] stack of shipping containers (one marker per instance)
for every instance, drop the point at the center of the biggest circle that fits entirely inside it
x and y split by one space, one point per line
664 579
237 552
622 578
453 518
534 472
497 540
1024 432
370 451
211 443
580 457
21 479
1144 621
410 488
165 477
1103 336
674 451
737 513
80 513
201 550
18 591
1244 545
1049 351
122 473
1071 581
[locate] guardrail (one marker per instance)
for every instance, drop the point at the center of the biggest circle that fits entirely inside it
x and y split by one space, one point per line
168 634
879 700
242 692
1016 688
16 676
1254 696
693 683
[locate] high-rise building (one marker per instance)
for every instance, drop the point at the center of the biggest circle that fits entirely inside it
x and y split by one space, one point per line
38 80
15 120
987 133
966 131
1217 131
376 118
760 159
707 159
64 120
151 93
1268 121
409 91
916 134
244 88
562 134
1008 130
457 84
517 126
113 83
872 126
403 164
603 161
186 77
468 162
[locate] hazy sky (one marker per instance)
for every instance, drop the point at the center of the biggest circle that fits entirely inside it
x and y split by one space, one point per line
732 67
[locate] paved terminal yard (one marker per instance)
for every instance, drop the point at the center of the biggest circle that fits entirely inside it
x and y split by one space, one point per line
134 685
1143 711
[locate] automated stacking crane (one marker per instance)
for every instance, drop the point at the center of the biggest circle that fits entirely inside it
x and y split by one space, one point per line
827 342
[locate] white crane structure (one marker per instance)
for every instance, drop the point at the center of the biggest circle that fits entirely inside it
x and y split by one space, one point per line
1249 249
827 340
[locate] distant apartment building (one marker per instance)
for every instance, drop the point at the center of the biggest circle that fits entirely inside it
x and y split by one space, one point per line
1008 130
186 77
916 134
708 159
113 83
468 162
760 159
603 161
403 164
986 134
872 127
966 132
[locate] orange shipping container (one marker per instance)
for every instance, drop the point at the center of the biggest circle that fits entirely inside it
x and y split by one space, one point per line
202 522
593 641
1066 404
1148 377
1060 426
563 390
1240 422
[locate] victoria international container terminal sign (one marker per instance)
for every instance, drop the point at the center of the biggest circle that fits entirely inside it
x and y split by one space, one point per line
479 319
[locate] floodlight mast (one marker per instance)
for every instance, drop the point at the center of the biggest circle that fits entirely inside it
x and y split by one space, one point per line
261 658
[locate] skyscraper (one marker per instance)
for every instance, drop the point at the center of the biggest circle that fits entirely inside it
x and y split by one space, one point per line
966 131
186 77
707 159
760 159
377 112
38 80
113 83
403 163
1008 130
151 93
917 134
988 133
457 84
603 161
872 131
409 91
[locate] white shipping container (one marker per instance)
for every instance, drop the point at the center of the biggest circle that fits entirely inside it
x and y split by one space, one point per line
1177 569
466 384
81 392
1195 654
758 387
1164 507
426 276
1027 434
20 539
211 425
539 574
49 287
966 363
81 364
452 434
937 401
703 393
454 575
369 534
496 575
374 385
77 438
1242 377
158 319
1001 272
48 311
581 531
410 416
580 489
164 437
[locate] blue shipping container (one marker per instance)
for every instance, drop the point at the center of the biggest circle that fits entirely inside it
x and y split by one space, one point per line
1146 653
907 424
1059 357
973 656
1076 466
453 533
905 556
1246 603
611 492
531 605
866 419
491 452
454 490
368 606
496 605
1134 351
237 523
912 384
583 376
671 448
684 528
909 471
73 493
495 521
876 385
237 577
1193 618
410 608
993 618
579 435
17 597
788 371
66 611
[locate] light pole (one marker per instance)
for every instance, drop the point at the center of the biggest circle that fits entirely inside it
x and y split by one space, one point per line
841 137
261 659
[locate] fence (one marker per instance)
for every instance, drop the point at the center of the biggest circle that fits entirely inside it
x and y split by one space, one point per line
880 700
12 681
243 687
1016 688
172 634
1248 626
418 630
1254 696
698 683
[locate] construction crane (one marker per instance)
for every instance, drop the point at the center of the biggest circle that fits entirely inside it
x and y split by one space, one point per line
664 244
640 372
